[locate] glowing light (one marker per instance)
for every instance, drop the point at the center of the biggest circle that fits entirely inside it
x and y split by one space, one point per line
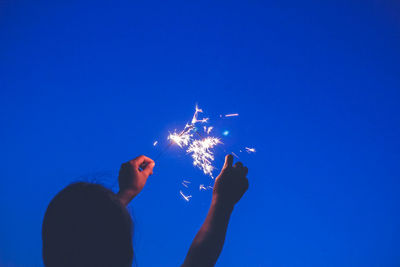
185 183
202 154
199 149
155 143
185 197
183 138
250 150
202 187
232 115
226 132
196 113
208 130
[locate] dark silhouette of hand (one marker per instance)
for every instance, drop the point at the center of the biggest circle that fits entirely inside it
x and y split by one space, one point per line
231 183
133 176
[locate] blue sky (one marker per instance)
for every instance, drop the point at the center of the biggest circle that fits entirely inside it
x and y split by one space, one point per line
87 85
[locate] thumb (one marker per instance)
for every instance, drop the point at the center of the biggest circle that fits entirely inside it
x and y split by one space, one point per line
228 161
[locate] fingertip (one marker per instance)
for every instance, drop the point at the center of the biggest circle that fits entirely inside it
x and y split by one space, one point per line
152 164
239 164
228 160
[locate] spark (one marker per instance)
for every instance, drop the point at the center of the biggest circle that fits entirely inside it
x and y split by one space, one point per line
202 154
232 115
202 187
208 130
250 150
196 113
233 153
182 139
187 198
185 183
200 149
226 132
155 143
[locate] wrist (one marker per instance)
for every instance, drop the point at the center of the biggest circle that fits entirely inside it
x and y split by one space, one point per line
126 195
221 204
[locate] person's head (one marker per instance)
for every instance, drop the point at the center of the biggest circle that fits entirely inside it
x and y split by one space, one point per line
86 225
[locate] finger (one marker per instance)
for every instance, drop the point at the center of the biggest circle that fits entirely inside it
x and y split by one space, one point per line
141 161
246 170
148 169
238 165
228 161
246 184
240 168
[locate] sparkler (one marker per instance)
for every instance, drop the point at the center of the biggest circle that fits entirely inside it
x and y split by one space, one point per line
200 149
182 139
202 154
199 146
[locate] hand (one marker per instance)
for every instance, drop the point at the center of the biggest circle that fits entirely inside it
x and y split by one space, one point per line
231 183
133 176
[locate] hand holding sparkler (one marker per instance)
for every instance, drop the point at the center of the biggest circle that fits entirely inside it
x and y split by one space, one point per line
229 187
133 176
231 183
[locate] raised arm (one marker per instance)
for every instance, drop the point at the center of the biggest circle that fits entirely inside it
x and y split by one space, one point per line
133 176
229 187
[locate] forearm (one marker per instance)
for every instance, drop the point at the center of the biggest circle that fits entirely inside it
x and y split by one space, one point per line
208 243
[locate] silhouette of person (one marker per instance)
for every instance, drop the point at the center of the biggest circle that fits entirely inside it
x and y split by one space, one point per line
87 224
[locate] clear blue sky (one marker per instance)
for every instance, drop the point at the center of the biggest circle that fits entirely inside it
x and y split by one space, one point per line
87 85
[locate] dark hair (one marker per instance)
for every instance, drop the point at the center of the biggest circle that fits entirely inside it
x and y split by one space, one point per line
86 225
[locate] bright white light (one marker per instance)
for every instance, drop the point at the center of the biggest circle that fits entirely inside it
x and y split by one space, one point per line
250 150
200 148
202 154
185 197
232 115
